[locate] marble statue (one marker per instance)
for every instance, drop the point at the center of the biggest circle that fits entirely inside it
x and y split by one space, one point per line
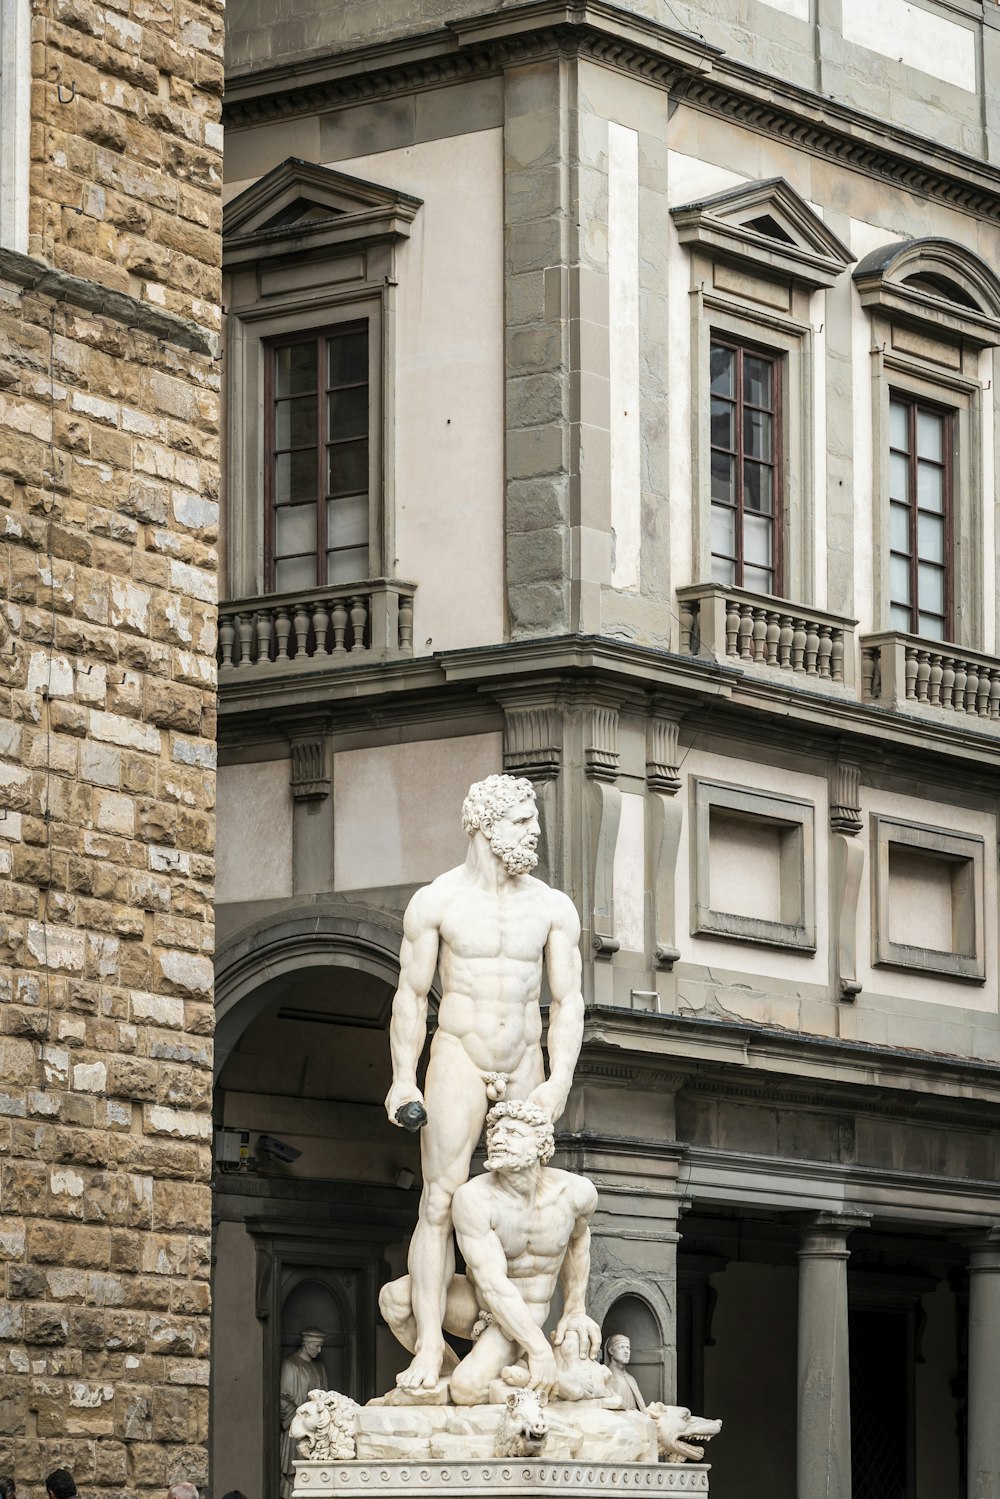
302 1374
322 1430
678 1433
491 928
617 1352
522 1227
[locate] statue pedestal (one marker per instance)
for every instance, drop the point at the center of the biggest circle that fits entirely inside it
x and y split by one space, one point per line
520 1478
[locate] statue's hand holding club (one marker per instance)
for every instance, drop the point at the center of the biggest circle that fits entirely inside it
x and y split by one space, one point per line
405 1107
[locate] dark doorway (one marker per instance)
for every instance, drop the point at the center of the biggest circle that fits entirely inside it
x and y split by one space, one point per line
881 1404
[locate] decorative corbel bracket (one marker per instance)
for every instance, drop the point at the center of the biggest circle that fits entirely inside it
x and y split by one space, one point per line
310 778
666 818
600 758
533 748
847 861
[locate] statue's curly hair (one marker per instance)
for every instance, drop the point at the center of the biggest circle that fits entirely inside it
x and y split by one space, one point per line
528 1113
488 800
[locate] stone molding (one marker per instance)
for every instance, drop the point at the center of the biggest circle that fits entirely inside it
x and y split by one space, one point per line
90 296
600 745
662 754
699 74
533 739
845 798
522 1477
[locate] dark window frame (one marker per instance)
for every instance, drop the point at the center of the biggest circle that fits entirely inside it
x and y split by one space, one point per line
915 405
777 359
320 336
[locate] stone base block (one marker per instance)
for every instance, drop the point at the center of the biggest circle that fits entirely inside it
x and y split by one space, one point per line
518 1478
580 1431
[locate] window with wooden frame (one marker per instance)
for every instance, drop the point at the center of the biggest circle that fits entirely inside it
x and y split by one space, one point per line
317 471
920 505
746 466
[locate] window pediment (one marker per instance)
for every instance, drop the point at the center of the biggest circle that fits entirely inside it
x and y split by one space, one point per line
765 228
301 207
935 285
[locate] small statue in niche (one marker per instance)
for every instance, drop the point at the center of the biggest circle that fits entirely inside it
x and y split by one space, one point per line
617 1352
302 1374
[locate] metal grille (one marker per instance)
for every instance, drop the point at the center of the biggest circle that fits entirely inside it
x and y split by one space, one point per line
879 1404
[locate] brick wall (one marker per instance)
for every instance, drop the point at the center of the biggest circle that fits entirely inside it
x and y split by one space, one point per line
109 432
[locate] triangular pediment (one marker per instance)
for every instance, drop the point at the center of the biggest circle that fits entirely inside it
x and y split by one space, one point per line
765 225
301 197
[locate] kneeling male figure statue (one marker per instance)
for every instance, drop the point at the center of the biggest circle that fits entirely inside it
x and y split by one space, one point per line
521 1227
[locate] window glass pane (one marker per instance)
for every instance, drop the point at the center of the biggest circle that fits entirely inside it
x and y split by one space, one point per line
899 618
899 580
347 567
899 528
723 474
294 572
757 535
757 488
758 380
347 522
930 538
757 431
347 359
724 531
722 361
295 369
295 422
930 487
294 529
348 412
295 476
930 586
723 571
348 467
723 427
899 477
898 426
930 625
758 579
930 435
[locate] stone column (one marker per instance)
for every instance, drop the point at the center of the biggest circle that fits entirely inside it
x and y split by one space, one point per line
824 1382
984 1341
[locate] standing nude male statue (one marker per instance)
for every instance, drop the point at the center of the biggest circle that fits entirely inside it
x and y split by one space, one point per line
491 927
521 1227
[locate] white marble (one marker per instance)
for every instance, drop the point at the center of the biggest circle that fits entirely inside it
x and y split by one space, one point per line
489 927
520 1478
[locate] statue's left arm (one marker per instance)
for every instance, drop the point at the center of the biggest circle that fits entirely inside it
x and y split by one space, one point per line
575 1275
562 962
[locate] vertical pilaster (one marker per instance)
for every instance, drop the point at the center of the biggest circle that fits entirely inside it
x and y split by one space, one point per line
984 1341
824 1381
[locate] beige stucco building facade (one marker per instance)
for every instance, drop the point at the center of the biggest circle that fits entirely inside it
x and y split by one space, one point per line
610 398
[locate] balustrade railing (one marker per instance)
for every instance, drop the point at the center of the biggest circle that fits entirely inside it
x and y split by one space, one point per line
905 671
735 625
322 626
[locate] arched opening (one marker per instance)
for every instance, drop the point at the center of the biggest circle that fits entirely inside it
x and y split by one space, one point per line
634 1318
315 1192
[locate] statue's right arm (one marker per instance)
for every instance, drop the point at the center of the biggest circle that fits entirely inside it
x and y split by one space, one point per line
408 1028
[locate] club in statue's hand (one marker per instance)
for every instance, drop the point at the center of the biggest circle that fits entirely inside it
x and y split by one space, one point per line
411 1116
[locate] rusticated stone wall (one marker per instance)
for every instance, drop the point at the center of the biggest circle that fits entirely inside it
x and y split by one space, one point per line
109 463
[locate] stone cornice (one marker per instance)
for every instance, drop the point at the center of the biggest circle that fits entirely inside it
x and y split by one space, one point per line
90 296
744 1060
426 688
699 75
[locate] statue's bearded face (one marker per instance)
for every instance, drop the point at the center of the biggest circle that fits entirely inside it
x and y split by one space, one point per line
512 1146
514 837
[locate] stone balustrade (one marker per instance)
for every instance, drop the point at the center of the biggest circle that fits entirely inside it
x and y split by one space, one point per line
732 624
905 671
327 626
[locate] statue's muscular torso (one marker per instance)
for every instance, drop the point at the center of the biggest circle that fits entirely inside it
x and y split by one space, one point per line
492 946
